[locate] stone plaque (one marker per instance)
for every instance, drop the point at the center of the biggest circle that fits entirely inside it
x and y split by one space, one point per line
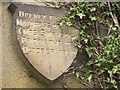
46 45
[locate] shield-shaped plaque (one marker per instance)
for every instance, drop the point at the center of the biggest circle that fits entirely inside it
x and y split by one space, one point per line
46 45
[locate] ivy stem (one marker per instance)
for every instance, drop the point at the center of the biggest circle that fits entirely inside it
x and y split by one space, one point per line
99 80
114 17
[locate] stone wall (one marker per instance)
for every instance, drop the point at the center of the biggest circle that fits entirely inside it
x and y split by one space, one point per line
16 73
0 46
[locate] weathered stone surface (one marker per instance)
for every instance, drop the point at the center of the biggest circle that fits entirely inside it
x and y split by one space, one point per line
46 45
14 70
0 45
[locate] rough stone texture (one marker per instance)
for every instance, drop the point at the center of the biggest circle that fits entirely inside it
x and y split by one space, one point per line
14 71
14 74
0 46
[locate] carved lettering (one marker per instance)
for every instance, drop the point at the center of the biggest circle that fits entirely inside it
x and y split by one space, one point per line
40 34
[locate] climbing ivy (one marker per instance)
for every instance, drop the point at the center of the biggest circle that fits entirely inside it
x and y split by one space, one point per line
90 18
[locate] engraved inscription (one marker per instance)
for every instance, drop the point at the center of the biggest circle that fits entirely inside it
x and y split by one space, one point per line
46 45
35 32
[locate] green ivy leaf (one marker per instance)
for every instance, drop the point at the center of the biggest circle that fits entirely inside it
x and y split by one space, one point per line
74 37
114 28
115 86
101 4
110 73
90 62
77 74
101 71
98 64
81 15
116 69
81 32
86 40
89 52
103 51
89 78
92 9
93 18
113 81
